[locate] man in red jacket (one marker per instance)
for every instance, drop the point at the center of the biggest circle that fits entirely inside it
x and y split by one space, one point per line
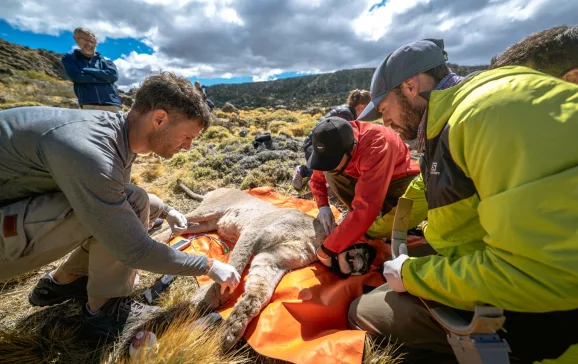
369 167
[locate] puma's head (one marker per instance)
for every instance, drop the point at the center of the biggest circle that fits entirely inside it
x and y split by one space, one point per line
357 259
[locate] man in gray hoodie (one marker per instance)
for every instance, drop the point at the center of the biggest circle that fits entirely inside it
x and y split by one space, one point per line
64 186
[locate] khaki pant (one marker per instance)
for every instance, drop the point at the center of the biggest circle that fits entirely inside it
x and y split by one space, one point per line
344 188
37 231
112 108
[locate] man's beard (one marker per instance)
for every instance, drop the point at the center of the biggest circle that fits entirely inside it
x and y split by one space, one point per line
410 117
160 144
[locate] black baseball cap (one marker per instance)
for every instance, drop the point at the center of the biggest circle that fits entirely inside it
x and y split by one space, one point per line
331 138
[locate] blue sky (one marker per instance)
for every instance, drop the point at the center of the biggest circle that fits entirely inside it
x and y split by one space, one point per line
233 41
111 48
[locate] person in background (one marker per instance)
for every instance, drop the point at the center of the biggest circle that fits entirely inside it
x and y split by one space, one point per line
356 102
92 74
553 51
203 91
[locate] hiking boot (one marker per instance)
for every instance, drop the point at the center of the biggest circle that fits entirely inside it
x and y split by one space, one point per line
48 293
297 180
117 315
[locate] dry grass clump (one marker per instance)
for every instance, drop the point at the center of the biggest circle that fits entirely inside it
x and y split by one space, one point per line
31 88
381 351
12 105
184 341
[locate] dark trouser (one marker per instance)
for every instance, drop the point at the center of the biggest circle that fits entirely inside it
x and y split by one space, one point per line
404 319
344 188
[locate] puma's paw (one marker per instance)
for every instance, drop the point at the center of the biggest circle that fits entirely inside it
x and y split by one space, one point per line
229 339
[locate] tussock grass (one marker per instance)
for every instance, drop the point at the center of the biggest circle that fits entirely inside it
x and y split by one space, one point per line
381 351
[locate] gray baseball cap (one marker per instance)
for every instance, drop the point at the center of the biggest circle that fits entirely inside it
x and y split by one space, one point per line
401 64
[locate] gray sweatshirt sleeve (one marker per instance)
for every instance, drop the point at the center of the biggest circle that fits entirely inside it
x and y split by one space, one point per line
91 176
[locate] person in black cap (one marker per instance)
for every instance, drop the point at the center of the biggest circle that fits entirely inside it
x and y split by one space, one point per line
357 100
499 176
368 167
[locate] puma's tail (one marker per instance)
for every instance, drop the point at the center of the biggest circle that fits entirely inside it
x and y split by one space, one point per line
191 194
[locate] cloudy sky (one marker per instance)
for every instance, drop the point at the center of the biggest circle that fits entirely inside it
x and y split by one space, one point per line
231 41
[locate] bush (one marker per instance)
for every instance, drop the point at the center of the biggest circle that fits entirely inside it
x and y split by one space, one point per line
277 125
38 76
215 133
291 119
182 158
297 130
203 173
279 114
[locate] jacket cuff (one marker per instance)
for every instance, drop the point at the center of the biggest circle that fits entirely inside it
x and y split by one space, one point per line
331 253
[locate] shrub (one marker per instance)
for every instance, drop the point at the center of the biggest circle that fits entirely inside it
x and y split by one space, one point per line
38 76
203 173
297 130
291 119
215 133
275 126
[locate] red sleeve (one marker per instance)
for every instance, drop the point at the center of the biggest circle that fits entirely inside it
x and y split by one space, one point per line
376 169
319 188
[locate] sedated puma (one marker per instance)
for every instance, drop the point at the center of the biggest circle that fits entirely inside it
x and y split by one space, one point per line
279 239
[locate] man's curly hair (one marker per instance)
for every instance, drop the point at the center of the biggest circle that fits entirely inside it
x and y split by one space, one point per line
174 94
552 51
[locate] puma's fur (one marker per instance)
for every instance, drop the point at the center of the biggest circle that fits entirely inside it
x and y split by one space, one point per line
278 239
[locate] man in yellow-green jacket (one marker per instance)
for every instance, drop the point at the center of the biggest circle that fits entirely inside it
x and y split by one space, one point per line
501 174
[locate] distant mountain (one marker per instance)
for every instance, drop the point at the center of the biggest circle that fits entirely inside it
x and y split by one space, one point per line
324 90
328 89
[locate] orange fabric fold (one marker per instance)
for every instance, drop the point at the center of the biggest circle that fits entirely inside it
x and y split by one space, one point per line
306 319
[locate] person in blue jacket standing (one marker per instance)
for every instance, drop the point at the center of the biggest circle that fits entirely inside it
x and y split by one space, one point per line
93 75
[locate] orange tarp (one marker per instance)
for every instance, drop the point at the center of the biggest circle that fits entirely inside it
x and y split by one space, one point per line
306 319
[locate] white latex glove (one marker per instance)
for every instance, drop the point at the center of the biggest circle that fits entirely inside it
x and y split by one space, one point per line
325 216
177 222
225 275
392 273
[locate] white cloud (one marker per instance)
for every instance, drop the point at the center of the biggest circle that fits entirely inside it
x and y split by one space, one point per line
375 24
263 38
267 76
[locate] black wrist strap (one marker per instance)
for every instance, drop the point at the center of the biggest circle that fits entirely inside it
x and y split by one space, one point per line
328 252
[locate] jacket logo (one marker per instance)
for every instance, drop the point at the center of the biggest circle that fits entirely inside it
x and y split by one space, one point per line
434 167
320 147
